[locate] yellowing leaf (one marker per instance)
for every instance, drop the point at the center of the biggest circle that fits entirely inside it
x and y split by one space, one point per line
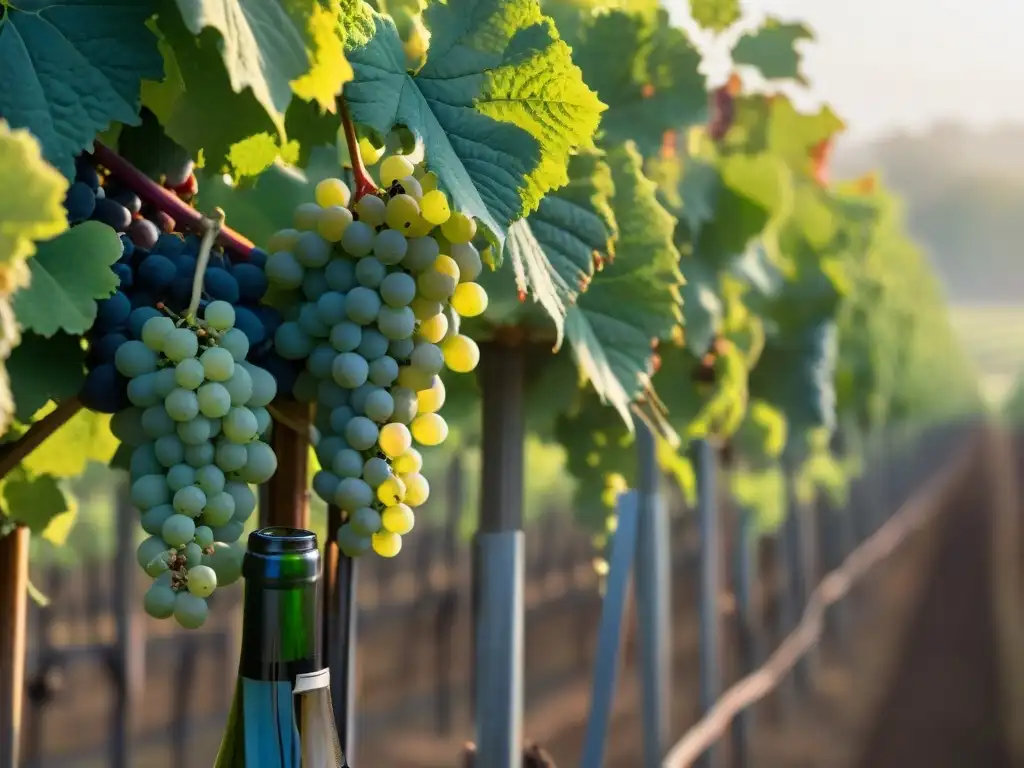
34 501
31 198
269 47
328 67
254 155
84 437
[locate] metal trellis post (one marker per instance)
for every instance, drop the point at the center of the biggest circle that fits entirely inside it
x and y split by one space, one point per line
499 567
653 574
710 584
609 634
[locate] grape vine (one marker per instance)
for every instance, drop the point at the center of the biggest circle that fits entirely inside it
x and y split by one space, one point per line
378 292
424 177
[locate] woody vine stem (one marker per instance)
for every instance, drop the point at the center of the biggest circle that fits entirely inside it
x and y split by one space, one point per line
363 184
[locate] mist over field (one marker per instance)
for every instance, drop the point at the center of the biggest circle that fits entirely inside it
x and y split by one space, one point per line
964 191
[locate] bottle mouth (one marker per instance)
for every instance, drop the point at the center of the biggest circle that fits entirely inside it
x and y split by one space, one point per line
278 540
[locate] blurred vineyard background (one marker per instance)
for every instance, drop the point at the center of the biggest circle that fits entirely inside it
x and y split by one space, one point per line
93 655
101 675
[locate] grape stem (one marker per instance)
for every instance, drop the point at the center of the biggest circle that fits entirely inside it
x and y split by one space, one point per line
212 226
363 183
12 454
185 216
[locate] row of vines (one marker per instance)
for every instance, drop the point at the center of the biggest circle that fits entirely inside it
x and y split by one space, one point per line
240 237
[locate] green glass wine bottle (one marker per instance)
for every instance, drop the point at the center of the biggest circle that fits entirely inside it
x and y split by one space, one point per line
281 715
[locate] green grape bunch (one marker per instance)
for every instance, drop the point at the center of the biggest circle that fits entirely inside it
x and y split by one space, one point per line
197 415
374 293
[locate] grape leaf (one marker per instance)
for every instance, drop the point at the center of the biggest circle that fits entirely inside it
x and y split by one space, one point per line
746 193
557 244
69 273
83 438
37 502
248 139
275 48
31 201
44 369
30 209
776 126
498 103
715 15
71 69
772 50
651 85
702 307
635 299
796 374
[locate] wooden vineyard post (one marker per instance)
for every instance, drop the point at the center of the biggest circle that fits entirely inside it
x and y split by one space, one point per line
710 583
653 574
499 545
286 495
14 615
447 610
14 550
284 501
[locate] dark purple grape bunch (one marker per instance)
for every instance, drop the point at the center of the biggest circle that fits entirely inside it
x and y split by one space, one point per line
157 267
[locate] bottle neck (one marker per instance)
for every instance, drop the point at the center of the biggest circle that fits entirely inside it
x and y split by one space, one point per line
280 621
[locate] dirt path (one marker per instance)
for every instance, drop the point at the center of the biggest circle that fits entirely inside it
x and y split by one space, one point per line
944 703
921 684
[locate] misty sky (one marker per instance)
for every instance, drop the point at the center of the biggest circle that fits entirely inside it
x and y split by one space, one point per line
888 64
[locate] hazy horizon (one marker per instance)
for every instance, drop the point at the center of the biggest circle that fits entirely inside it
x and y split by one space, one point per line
902 65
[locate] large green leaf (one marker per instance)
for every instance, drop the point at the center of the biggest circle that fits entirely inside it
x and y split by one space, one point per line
772 49
44 369
68 70
635 299
651 84
277 49
558 243
37 502
69 274
498 103
201 109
